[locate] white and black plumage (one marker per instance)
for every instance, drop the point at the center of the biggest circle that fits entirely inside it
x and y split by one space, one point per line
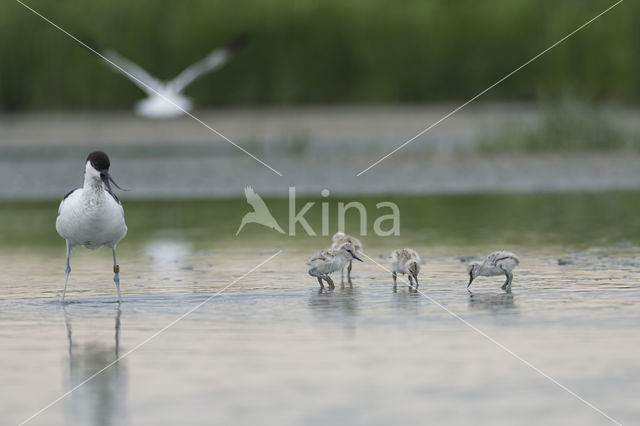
92 216
340 238
330 260
405 261
165 98
497 263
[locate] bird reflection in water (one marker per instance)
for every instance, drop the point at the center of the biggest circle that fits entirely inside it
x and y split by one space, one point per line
410 289
101 400
406 298
491 301
333 302
168 253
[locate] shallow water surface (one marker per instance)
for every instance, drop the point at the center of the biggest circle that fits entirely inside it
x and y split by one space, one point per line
273 348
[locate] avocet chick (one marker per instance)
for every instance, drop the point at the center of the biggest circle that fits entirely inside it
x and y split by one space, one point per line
330 260
497 263
340 238
405 261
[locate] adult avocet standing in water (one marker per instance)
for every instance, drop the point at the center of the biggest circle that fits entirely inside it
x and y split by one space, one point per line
330 260
92 216
340 238
497 263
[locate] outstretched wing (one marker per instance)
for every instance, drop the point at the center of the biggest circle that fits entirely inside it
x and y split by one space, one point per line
214 60
254 199
145 81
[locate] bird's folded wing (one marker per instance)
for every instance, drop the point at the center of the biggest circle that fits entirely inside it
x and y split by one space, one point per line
145 81
65 199
318 256
498 256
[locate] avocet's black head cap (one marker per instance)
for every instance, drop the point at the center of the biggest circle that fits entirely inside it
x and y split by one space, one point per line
99 160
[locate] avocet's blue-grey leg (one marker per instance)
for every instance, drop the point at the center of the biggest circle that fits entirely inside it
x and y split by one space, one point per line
329 281
116 272
410 280
118 312
313 273
395 278
507 285
504 286
67 270
349 271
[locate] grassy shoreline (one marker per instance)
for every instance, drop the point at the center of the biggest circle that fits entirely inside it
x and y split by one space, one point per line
320 52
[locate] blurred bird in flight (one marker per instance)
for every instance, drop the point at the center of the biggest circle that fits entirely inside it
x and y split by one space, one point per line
164 98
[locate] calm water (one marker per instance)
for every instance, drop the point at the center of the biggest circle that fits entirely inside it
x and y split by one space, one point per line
273 349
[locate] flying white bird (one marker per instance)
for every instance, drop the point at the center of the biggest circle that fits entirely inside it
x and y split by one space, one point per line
92 216
165 98
497 263
260 213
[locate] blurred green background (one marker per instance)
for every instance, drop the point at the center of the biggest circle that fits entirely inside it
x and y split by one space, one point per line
330 51
578 220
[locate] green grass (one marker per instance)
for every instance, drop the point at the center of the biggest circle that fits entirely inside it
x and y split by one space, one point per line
310 51
579 219
566 126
